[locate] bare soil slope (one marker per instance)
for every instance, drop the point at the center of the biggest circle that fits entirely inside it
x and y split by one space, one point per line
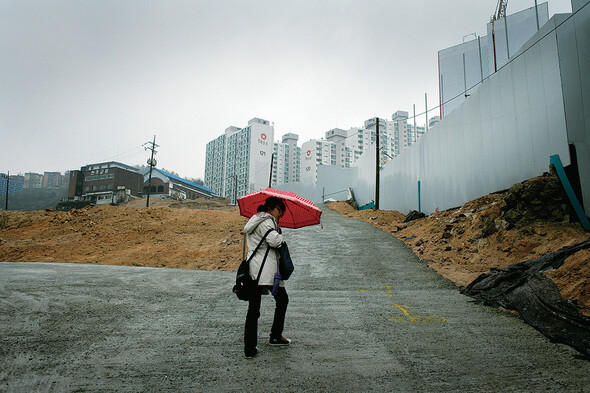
192 236
495 231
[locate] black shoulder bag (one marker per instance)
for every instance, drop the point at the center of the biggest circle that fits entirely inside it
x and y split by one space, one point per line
245 286
285 263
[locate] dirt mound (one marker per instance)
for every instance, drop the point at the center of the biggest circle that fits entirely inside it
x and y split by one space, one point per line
199 203
495 231
113 235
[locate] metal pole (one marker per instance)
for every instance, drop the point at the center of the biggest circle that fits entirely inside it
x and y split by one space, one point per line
235 189
506 32
272 159
426 109
494 47
419 199
377 162
147 204
7 185
537 14
442 101
415 129
440 89
480 61
464 77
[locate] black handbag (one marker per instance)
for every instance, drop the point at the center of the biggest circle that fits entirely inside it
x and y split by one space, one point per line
245 286
285 263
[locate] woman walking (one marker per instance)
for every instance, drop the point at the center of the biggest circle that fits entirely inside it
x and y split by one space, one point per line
266 257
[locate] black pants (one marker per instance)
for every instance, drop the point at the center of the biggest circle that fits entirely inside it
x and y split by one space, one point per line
251 329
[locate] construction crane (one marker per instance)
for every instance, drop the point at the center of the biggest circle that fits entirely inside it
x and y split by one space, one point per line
500 11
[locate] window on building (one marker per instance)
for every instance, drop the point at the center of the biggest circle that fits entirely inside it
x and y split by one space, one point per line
160 188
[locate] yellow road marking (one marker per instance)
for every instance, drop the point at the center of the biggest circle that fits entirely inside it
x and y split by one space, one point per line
407 317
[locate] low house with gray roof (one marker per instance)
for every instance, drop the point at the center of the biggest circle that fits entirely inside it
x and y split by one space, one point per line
167 184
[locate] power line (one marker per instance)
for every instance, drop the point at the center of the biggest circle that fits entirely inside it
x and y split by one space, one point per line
81 158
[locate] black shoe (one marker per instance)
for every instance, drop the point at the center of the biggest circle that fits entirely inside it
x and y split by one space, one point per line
280 341
250 355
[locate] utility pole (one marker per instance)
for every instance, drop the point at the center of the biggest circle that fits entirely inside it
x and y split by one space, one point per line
426 109
464 77
152 163
537 14
235 189
415 129
7 177
377 162
272 159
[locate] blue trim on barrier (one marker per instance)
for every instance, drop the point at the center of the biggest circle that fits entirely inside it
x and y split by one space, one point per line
370 205
556 162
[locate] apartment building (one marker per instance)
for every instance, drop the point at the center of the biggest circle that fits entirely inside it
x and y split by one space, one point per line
316 152
287 160
53 180
33 180
344 153
238 162
14 183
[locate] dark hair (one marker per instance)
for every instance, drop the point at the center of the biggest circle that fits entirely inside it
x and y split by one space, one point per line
271 203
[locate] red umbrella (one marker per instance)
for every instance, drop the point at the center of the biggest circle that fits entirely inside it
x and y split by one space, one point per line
300 212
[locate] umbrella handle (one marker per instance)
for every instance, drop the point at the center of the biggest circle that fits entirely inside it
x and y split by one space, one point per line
244 248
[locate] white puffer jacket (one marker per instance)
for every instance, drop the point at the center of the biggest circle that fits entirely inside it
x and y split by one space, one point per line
255 229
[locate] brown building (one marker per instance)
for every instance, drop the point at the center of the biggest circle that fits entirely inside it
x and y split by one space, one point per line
107 182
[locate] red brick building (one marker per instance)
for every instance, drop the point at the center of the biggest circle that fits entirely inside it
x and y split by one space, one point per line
105 182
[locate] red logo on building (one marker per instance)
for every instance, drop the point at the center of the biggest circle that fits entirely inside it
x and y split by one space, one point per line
309 152
263 137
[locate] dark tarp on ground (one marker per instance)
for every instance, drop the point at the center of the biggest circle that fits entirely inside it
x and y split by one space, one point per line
522 287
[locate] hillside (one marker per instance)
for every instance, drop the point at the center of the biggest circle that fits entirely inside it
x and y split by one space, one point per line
34 198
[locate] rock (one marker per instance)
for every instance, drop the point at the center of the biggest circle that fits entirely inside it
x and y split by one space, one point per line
489 227
446 235
414 215
505 225
419 242
516 188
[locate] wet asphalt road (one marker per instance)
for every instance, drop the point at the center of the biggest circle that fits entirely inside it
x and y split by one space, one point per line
364 315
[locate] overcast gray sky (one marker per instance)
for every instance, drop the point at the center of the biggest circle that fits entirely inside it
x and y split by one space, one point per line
91 81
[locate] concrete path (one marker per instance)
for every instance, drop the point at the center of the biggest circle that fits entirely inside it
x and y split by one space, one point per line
364 315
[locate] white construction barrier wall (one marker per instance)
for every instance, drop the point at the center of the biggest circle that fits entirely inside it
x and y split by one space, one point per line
502 134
